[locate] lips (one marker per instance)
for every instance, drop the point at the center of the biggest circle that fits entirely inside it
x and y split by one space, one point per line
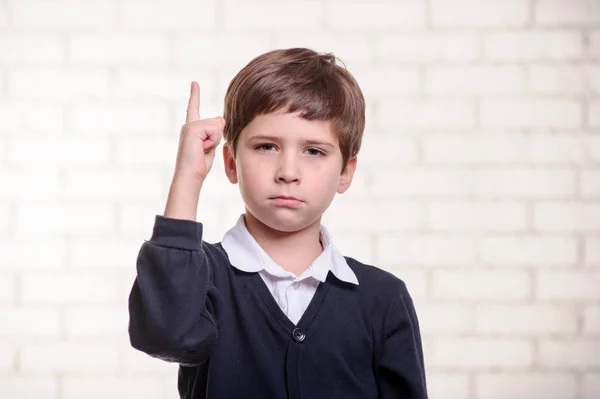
285 197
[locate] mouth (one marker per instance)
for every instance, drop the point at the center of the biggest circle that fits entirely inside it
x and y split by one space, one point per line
286 201
285 197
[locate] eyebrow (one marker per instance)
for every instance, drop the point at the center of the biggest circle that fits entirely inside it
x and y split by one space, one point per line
311 142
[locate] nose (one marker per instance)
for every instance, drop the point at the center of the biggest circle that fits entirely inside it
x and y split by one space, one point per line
287 169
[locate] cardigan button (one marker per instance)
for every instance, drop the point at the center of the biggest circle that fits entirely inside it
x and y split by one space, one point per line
298 335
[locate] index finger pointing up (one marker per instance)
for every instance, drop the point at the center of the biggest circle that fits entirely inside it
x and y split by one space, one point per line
193 109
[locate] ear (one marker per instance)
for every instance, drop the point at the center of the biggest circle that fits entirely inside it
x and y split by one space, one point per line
230 165
347 175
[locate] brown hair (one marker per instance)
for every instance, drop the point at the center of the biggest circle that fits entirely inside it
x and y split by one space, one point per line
297 79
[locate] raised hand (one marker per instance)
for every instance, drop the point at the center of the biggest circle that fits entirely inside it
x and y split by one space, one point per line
198 140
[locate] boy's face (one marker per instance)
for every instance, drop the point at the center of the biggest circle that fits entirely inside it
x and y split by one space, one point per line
282 154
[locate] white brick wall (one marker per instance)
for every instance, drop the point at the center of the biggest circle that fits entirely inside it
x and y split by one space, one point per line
478 180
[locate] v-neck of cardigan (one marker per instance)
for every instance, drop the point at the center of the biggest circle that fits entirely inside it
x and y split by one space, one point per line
279 316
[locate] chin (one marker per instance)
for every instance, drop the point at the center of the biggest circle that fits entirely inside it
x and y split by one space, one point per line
284 220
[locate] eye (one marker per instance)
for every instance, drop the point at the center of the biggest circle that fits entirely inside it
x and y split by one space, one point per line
315 152
265 147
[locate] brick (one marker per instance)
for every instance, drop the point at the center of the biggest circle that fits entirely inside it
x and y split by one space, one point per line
442 385
375 218
139 363
455 14
58 151
590 386
64 218
263 15
137 220
26 387
353 48
481 284
591 320
114 186
28 322
415 280
213 49
567 285
385 82
40 185
30 117
100 387
72 15
426 250
120 117
419 183
69 287
594 44
449 148
594 73
536 148
7 289
557 148
594 113
566 217
70 357
593 148
580 354
474 80
477 216
31 49
533 46
7 357
108 253
147 151
16 253
535 251
591 255
381 149
96 321
175 15
576 13
58 84
171 85
547 385
5 218
555 79
445 319
531 113
428 114
379 14
119 49
531 320
590 188
428 47
524 183
3 17
473 353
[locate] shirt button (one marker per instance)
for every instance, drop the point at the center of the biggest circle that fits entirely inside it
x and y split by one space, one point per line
298 335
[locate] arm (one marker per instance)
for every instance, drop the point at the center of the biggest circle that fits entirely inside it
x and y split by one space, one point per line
400 369
174 305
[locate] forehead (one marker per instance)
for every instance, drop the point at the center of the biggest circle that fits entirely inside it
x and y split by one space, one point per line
287 126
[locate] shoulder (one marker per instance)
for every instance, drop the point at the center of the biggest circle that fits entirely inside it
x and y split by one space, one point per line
375 281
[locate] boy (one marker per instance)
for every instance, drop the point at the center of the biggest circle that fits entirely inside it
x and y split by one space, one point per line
274 310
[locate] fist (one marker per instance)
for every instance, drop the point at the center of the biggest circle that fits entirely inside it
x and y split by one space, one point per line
198 140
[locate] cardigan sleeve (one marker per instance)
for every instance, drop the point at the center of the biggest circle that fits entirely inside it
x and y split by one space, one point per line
173 304
400 370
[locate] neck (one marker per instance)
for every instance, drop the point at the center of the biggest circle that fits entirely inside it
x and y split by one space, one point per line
293 251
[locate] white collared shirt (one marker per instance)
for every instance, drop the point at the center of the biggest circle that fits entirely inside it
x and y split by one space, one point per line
292 293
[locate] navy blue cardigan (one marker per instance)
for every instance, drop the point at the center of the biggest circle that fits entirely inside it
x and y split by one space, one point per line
189 305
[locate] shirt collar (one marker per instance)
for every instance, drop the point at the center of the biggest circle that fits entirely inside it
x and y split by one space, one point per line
247 255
